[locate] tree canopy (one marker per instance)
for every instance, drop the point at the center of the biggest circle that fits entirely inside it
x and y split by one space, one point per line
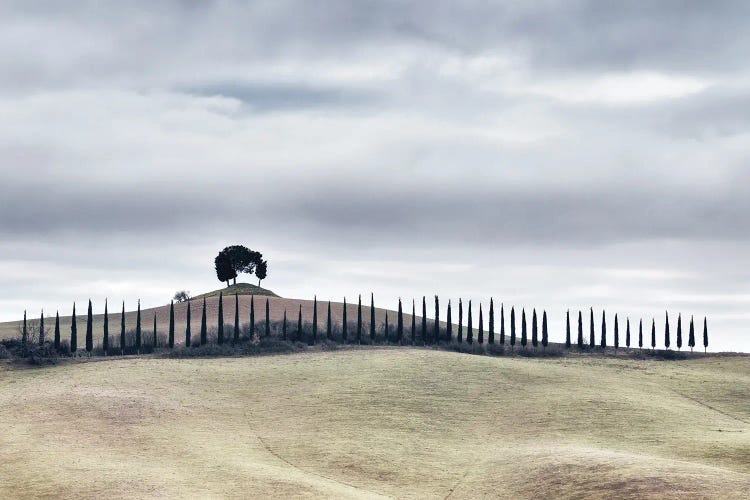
238 259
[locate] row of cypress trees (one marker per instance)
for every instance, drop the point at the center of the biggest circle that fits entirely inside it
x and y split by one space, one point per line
427 336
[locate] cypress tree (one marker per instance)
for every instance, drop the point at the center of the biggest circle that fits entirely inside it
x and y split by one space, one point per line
640 334
220 322
122 330
188 332
25 331
604 330
460 321
469 328
105 340
448 324
413 322
512 327
204 328
705 334
138 328
653 334
580 329
617 334
627 334
592 340
268 319
424 320
171 324
491 336
315 320
400 323
155 340
545 336
666 331
679 332
236 337
344 325
691 335
329 327
57 330
89 329
73 330
523 328
480 337
359 320
386 326
567 329
299 325
436 335
502 324
372 318
41 329
283 327
534 337
252 316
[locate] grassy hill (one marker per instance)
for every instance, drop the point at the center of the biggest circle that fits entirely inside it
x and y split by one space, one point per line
369 423
239 289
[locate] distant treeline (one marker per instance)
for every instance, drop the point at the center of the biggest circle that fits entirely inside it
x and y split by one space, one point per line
119 341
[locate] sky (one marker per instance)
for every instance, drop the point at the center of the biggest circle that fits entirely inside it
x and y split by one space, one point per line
552 154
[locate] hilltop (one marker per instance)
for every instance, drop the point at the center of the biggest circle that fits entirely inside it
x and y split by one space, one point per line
239 289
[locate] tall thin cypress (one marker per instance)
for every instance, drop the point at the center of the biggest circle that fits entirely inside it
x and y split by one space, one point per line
580 330
283 327
627 334
653 334
604 330
138 329
268 319
400 323
512 327
25 331
57 330
154 340
299 325
469 328
105 339
204 326
122 330
666 330
252 316
523 328
691 335
545 335
329 327
448 324
424 320
359 320
491 336
188 332
413 322
617 334
315 320
502 324
344 326
171 324
89 329
640 334
705 334
592 339
372 318
41 329
534 333
436 334
386 326
480 337
236 337
73 329
679 332
220 320
460 321
567 329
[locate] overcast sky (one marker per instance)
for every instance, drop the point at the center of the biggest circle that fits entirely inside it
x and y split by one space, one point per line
551 154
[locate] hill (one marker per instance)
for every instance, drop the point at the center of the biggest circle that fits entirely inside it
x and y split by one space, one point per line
386 422
239 289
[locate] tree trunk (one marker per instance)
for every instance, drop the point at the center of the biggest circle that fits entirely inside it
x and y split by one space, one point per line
235 281
258 282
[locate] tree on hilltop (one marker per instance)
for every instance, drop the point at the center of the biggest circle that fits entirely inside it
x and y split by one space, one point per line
237 259
224 269
261 271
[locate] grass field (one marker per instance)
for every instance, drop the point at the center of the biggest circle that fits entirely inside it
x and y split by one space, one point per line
366 423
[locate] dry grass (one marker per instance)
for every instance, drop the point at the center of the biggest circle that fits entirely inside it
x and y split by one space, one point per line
392 422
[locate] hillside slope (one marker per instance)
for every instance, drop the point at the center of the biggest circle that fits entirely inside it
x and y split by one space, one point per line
375 423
